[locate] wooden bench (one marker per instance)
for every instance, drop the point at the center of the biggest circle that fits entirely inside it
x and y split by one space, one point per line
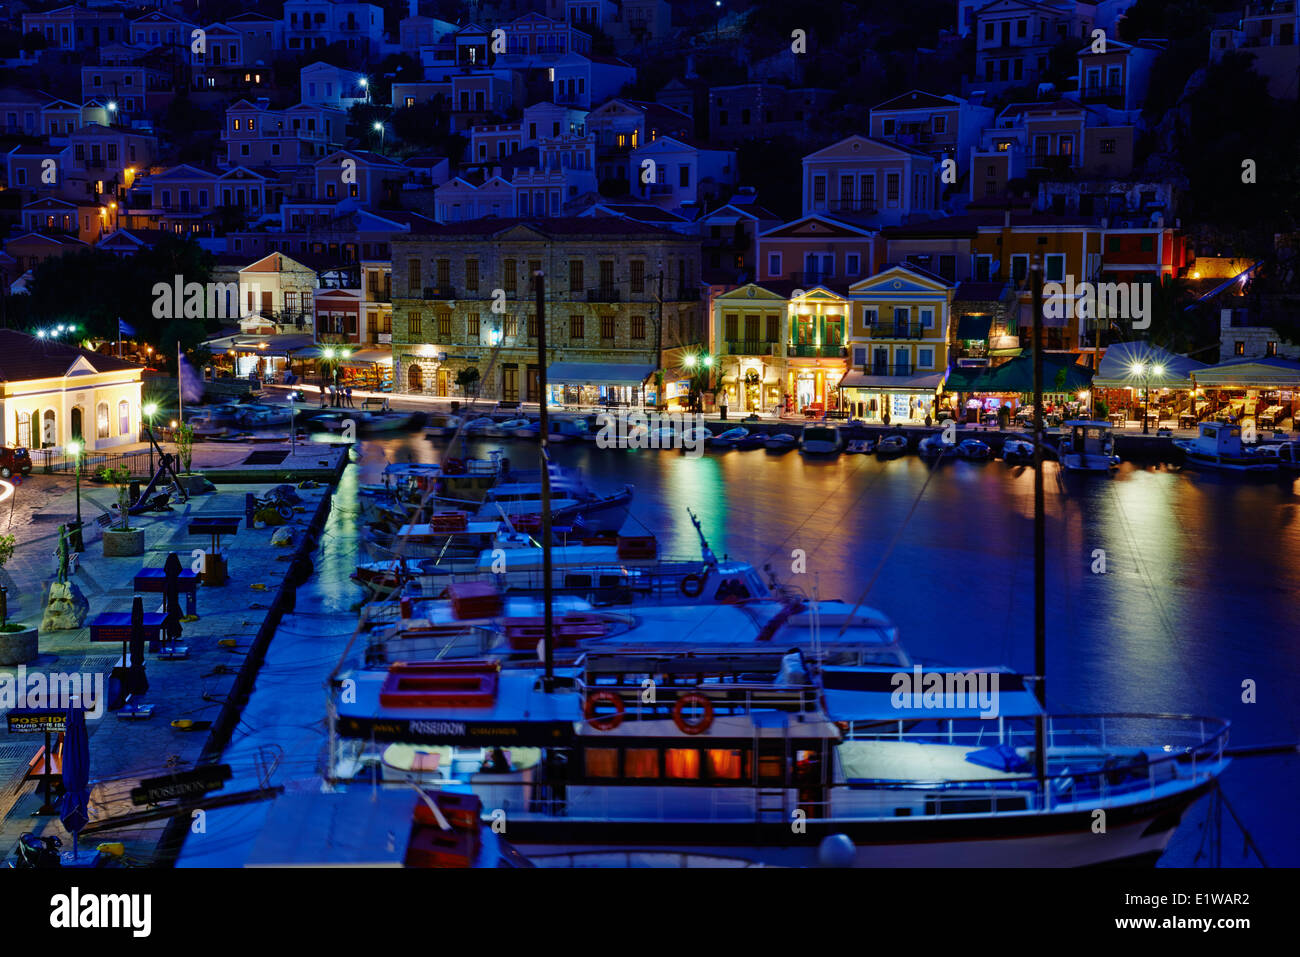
36 766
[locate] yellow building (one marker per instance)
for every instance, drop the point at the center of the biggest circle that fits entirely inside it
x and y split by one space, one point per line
898 344
780 346
51 392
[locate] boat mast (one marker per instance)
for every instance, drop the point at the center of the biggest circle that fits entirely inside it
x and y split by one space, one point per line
709 558
543 434
1040 540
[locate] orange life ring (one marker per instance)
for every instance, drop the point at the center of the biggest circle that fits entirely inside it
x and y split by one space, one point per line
610 721
698 700
691 586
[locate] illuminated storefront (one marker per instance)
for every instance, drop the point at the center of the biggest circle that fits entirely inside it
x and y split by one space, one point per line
891 400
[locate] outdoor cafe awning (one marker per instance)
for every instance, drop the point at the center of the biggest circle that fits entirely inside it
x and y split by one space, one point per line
1247 373
1120 366
283 346
1060 374
892 383
597 373
365 357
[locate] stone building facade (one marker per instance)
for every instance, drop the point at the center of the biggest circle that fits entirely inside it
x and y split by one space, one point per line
463 298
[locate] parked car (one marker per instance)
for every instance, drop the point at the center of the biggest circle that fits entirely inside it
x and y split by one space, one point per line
15 460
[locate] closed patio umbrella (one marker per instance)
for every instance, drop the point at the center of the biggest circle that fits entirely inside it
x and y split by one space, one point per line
172 597
137 683
73 806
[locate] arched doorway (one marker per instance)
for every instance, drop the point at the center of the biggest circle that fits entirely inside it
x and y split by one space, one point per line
49 429
753 391
76 422
415 379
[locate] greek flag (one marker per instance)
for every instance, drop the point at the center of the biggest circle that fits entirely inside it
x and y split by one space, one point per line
123 329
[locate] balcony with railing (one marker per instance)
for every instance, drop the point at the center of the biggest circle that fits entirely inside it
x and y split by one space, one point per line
897 330
750 347
807 350
897 369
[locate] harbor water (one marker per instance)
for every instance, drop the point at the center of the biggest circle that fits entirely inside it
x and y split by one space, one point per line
1168 591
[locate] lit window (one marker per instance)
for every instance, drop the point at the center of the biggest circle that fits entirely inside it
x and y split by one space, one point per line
682 763
641 763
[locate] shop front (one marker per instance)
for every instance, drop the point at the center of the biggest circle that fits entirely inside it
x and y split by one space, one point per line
1002 395
597 384
753 387
891 400
812 388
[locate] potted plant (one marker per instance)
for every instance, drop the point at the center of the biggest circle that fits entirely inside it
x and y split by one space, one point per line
122 540
19 644
193 483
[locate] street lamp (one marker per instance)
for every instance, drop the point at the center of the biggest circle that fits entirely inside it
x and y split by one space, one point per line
1145 372
379 128
150 410
365 85
75 447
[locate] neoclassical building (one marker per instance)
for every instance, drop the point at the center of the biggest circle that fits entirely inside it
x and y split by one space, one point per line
51 392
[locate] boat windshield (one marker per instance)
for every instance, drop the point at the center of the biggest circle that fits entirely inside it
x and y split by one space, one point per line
819 434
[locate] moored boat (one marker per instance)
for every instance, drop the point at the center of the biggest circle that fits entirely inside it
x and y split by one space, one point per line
780 442
891 446
974 450
1218 447
1088 446
818 439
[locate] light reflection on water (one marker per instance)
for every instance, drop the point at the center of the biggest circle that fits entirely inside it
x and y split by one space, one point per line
1198 594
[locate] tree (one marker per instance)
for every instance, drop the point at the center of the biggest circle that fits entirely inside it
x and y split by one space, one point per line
467 379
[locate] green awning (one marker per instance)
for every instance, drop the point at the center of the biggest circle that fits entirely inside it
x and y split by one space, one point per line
1060 374
974 327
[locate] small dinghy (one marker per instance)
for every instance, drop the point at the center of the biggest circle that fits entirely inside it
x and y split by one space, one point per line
933 446
891 446
729 438
754 440
861 446
780 442
1017 451
974 450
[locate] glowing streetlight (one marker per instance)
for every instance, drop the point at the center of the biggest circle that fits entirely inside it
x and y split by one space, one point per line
378 127
150 410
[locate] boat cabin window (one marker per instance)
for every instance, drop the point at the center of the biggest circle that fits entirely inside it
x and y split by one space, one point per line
724 763
641 763
577 581
600 762
682 763
610 581
685 764
732 589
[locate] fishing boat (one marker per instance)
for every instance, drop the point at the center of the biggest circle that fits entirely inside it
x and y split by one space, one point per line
478 426
729 437
1218 447
754 440
529 430
780 442
860 446
566 430
974 450
1088 446
1285 454
594 764
891 446
821 440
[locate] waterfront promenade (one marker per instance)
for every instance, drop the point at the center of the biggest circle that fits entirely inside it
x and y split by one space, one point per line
194 689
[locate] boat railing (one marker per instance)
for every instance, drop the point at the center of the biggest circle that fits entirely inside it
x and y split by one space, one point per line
1190 748
744 695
